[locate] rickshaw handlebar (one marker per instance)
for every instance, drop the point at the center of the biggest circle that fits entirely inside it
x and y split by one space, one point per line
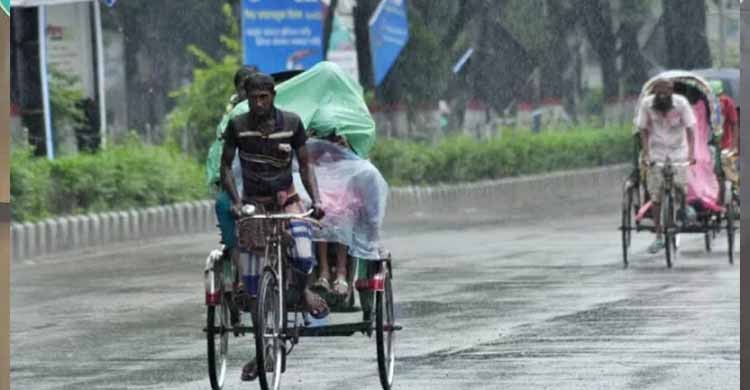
248 211
662 164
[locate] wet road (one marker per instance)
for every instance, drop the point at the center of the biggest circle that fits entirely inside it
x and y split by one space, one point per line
542 305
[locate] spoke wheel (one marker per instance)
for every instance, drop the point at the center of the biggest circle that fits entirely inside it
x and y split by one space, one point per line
668 218
627 225
385 333
217 337
269 342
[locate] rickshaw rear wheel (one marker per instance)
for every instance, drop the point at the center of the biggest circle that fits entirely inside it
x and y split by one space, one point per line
217 338
385 332
627 223
707 239
731 216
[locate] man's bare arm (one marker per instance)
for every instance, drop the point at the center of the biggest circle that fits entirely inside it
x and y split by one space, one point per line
644 143
307 174
227 178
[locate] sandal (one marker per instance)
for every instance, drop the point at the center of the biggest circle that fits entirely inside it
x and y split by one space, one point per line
656 246
340 287
322 284
249 371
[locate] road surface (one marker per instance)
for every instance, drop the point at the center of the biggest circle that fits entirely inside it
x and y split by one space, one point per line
539 304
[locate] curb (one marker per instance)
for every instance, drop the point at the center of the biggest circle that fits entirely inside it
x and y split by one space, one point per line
405 204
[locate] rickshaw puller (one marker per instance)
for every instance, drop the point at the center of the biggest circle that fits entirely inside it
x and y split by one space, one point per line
666 123
266 138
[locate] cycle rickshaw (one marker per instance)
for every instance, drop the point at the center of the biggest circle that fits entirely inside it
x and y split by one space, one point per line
328 102
714 203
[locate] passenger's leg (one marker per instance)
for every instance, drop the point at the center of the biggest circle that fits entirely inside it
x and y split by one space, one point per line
226 220
340 286
341 261
324 276
303 262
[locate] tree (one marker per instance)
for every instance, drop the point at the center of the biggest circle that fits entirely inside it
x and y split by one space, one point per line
502 65
201 103
597 22
634 65
685 33
555 58
156 34
420 74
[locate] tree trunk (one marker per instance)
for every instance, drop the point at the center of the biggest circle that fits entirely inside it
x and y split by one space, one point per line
362 13
556 53
597 21
685 33
635 67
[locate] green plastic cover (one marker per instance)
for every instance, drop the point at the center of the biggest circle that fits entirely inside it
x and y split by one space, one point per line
327 100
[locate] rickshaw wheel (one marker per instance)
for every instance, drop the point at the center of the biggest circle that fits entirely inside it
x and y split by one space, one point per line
670 247
217 337
731 216
385 332
270 349
707 239
627 223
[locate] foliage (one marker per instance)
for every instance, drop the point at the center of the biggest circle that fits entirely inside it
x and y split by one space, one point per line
421 72
122 177
133 175
65 98
29 185
464 159
201 103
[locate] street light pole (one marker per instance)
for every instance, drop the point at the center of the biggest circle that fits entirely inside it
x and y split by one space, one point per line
100 75
722 35
44 78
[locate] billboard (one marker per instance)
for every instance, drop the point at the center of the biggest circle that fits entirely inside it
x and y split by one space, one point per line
70 44
281 35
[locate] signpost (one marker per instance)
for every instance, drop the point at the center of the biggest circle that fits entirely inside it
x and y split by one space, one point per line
281 35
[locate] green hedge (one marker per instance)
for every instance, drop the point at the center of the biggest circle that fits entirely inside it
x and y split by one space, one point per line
120 178
134 175
462 159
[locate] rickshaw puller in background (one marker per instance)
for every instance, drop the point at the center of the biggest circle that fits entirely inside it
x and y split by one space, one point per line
730 138
730 120
666 123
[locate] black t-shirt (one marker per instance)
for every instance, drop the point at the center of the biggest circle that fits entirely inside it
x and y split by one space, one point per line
266 150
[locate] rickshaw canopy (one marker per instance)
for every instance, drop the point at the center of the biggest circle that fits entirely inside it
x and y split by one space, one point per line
702 183
694 80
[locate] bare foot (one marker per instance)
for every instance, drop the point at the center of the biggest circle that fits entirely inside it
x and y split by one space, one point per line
316 305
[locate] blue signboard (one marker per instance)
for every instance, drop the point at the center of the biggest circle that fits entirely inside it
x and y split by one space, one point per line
281 35
110 3
389 32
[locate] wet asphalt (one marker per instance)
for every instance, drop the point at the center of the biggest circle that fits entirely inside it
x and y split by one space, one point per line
535 304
